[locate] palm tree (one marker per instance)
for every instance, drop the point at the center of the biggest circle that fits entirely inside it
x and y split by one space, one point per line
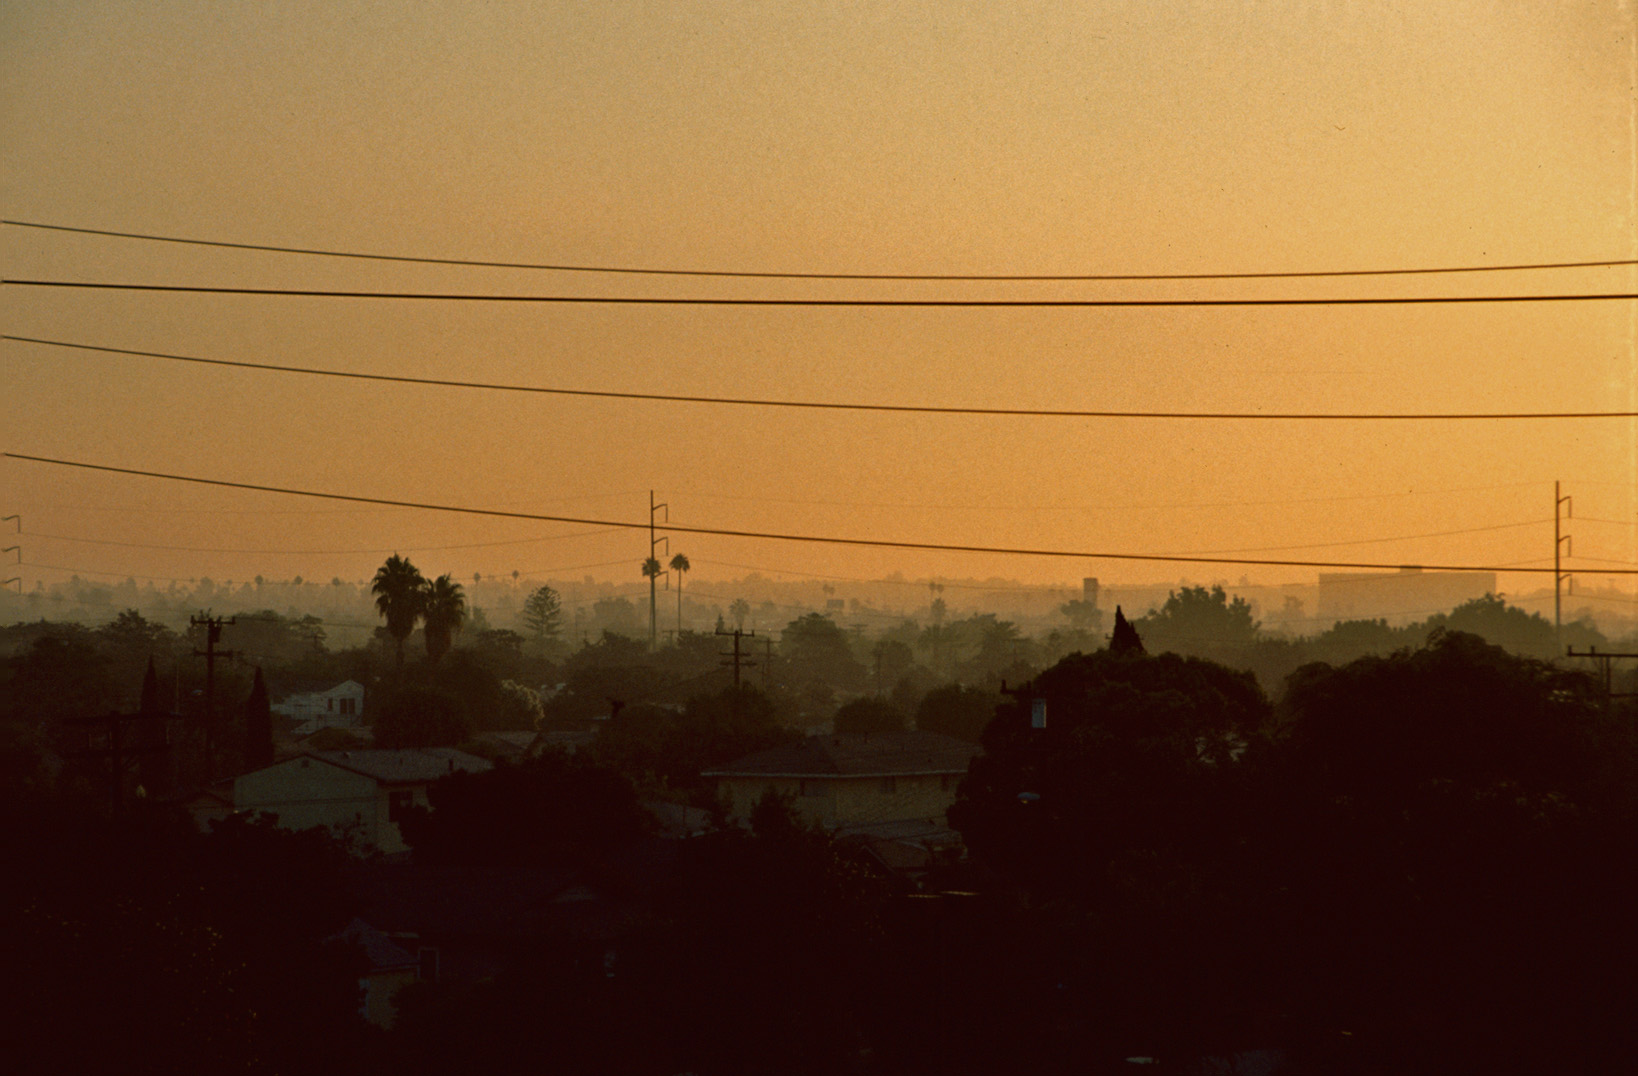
652 569
739 610
399 596
680 565
443 615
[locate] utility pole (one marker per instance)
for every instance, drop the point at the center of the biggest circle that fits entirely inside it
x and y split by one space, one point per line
738 659
213 635
1605 661
1563 509
654 580
18 578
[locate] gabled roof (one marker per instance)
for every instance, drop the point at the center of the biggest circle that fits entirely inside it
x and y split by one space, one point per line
288 688
414 766
874 754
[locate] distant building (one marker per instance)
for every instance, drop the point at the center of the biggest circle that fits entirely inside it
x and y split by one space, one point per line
360 794
1398 597
339 707
853 779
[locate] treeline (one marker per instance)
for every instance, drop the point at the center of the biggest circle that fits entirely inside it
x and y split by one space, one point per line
1418 863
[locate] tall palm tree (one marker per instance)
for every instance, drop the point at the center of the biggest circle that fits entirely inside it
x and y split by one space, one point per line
443 615
680 565
399 596
739 610
652 569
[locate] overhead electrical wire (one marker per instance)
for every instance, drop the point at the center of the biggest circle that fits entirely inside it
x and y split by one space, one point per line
718 300
774 275
320 552
736 401
874 543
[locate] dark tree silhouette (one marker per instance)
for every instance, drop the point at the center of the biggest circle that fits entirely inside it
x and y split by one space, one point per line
443 611
652 569
1125 639
680 565
399 590
956 710
258 725
870 715
543 615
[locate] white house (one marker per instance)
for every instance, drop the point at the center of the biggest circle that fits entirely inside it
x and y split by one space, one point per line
340 707
359 793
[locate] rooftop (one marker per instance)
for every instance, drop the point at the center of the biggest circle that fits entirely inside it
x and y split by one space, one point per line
874 754
406 765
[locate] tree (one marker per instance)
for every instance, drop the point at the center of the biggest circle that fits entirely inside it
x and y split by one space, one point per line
1130 756
1530 634
520 707
652 569
1462 809
1082 615
739 609
421 717
1195 620
443 612
954 710
813 648
400 594
680 565
543 615
869 715
258 725
1125 640
557 808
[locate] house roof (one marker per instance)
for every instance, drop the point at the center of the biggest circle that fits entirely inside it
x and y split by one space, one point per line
407 765
288 688
874 754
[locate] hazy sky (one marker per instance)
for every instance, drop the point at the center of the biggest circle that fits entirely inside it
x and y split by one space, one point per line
937 137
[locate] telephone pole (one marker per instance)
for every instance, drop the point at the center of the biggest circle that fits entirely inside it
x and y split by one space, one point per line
213 635
654 580
1605 660
1563 509
18 578
738 658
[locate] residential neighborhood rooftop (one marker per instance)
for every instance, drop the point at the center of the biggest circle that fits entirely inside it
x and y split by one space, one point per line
406 765
874 754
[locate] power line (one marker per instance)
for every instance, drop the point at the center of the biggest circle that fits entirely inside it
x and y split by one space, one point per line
322 552
1008 412
1376 541
876 543
1109 507
654 300
770 275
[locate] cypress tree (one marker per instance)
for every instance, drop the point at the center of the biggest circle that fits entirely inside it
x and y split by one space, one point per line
258 725
1125 640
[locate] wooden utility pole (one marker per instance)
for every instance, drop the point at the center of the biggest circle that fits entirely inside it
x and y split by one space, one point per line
213 635
1605 660
1563 509
737 658
654 580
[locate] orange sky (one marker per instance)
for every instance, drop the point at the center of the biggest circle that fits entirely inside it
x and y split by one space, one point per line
888 138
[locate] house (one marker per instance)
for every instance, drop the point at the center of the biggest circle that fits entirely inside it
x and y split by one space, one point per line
852 779
359 794
392 962
341 706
